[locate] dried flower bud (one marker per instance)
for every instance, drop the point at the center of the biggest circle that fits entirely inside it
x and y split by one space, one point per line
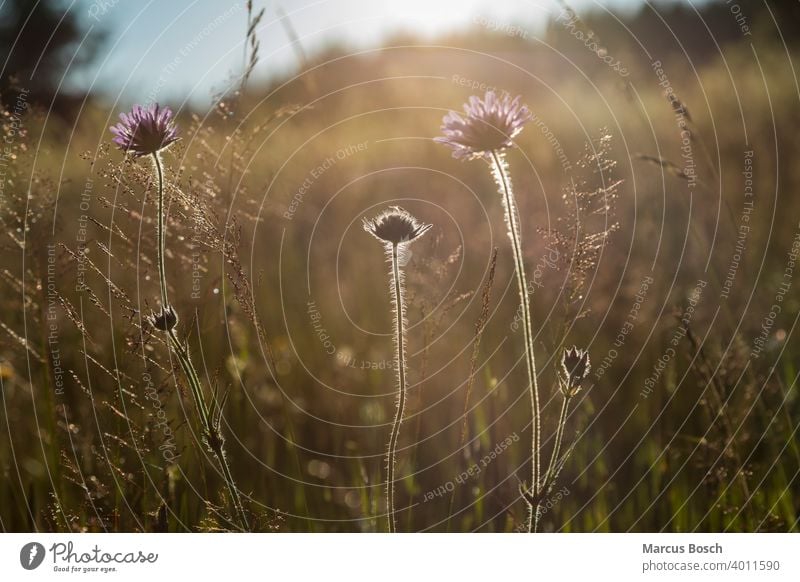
396 226
575 366
165 320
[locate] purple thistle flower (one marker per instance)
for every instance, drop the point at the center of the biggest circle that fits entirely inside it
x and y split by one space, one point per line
145 131
489 125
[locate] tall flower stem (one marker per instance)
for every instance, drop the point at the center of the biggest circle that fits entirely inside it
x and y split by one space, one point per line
396 229
209 418
503 180
160 233
397 295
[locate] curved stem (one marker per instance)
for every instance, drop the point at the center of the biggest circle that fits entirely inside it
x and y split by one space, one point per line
210 430
500 173
191 375
209 427
236 499
562 421
550 475
397 290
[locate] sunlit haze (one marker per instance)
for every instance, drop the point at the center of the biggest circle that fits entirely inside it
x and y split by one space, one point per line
199 45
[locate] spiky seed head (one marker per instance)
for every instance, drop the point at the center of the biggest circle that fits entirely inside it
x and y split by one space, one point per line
165 320
145 131
575 367
395 226
489 125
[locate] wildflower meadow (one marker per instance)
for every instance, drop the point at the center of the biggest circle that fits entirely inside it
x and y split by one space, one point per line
337 267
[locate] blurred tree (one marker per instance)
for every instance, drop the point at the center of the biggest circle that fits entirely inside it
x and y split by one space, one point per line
786 14
41 41
698 31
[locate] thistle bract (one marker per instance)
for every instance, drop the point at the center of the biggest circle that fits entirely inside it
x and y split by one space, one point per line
395 226
575 366
165 320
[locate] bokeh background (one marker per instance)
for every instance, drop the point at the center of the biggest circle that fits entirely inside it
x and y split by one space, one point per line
297 120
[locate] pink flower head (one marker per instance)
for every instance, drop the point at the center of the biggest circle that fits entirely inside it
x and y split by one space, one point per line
145 131
489 125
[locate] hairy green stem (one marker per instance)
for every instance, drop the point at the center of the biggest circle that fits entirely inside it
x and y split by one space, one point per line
501 176
397 291
209 426
562 421
550 475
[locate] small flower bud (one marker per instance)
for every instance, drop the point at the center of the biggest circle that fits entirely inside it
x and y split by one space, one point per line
575 366
165 320
395 226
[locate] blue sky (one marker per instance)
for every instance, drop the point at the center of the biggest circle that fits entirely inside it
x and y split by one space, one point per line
183 49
